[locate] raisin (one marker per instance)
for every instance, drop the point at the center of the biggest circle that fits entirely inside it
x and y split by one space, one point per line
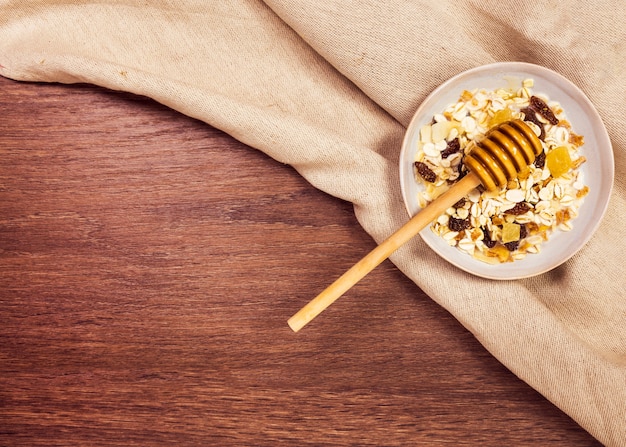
425 172
523 231
519 208
458 224
512 246
452 148
489 243
530 115
542 108
487 238
462 172
540 161
460 203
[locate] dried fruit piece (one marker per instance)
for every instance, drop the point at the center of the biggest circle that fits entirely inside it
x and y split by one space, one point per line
580 160
459 224
530 116
489 243
425 172
453 147
510 232
542 108
583 192
461 170
576 140
519 208
540 161
523 231
460 203
497 220
500 117
562 216
512 246
559 161
501 252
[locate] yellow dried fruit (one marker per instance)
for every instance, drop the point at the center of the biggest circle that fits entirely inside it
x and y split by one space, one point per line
489 258
501 252
583 192
510 232
466 96
497 220
558 161
500 117
576 140
579 161
562 216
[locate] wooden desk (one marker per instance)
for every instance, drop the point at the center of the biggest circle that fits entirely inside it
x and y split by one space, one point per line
148 266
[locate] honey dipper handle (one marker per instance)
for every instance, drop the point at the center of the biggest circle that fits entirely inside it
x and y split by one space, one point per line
417 223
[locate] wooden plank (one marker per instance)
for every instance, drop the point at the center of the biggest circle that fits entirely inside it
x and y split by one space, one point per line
148 266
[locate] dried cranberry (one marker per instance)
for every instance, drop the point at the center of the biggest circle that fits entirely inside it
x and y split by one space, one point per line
425 172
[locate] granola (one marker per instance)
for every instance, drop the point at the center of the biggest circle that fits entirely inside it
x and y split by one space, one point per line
503 226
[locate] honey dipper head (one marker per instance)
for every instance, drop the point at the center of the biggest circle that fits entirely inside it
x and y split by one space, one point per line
506 150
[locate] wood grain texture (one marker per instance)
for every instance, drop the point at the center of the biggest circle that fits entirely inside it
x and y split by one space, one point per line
148 266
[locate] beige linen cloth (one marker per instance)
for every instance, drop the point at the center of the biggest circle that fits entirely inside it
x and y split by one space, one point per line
329 86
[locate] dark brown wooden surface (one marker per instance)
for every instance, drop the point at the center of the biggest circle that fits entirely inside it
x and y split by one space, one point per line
148 266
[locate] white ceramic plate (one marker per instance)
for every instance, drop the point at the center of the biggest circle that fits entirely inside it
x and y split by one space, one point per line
598 171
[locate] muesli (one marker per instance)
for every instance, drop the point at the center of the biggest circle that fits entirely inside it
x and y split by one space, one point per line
504 226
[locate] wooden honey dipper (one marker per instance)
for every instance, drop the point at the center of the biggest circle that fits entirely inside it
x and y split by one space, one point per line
506 150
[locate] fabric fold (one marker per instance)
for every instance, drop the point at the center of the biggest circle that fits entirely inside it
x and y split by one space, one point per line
327 89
